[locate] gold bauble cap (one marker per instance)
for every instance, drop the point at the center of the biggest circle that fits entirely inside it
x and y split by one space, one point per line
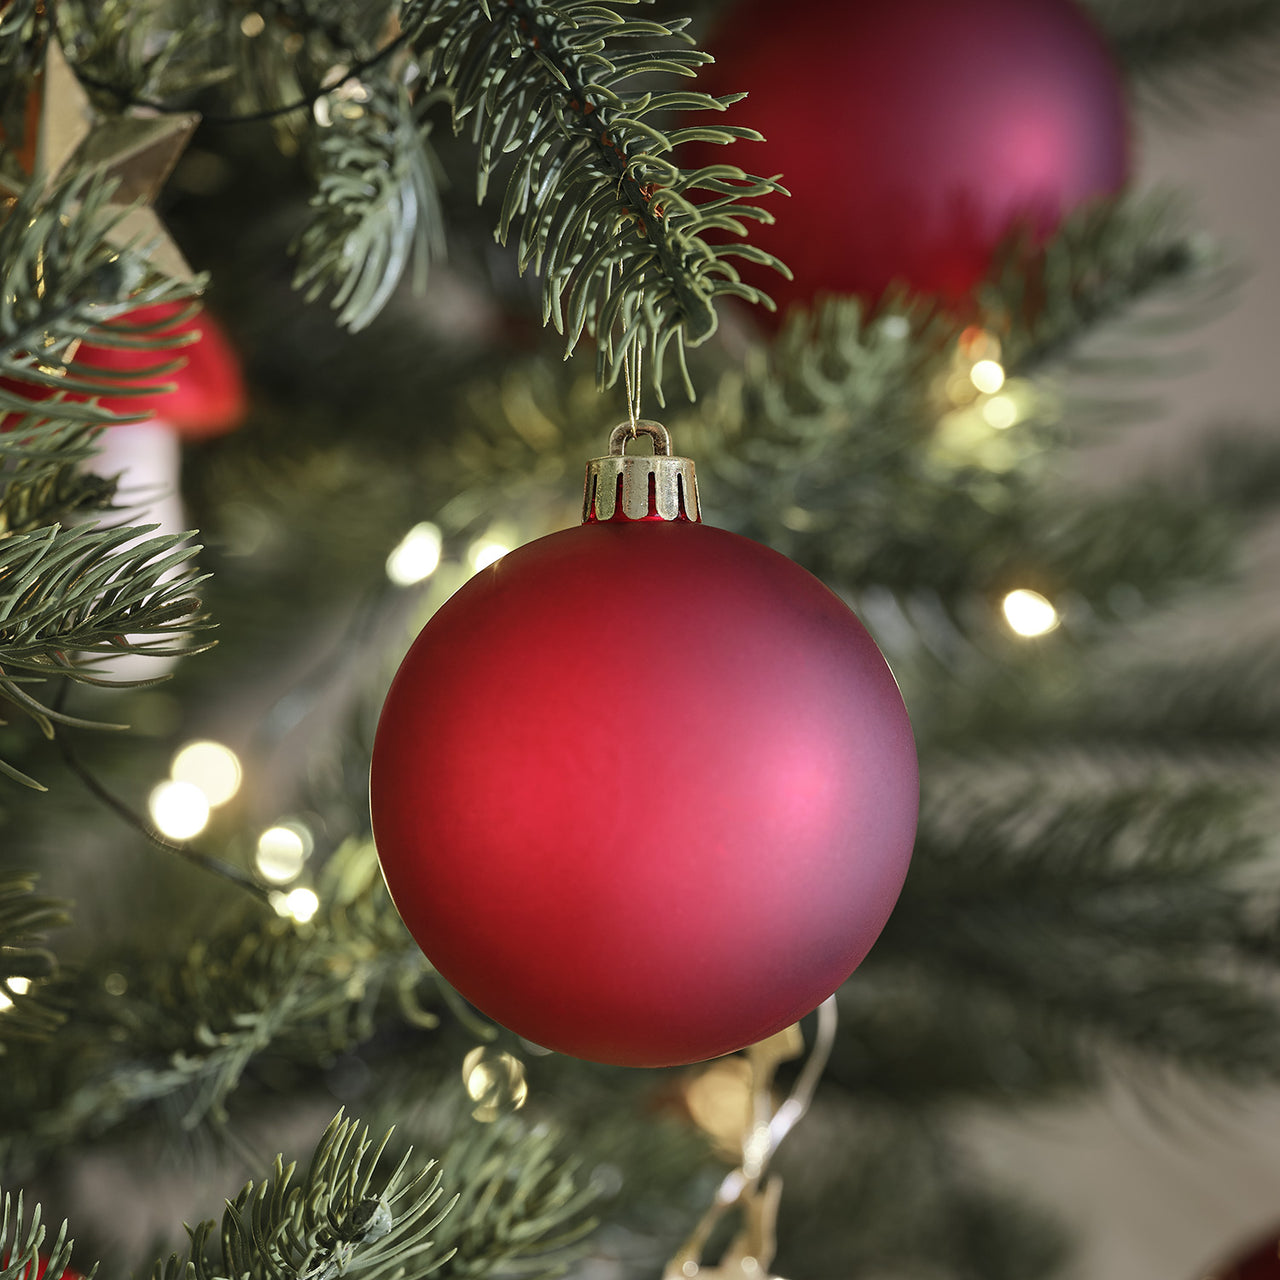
641 486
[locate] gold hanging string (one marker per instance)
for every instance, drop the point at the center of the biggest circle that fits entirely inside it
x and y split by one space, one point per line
632 366
749 1255
631 376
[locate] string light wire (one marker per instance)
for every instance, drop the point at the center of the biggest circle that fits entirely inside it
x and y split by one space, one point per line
126 99
100 791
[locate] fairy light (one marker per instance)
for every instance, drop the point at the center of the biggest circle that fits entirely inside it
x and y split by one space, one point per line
282 850
1000 412
252 25
180 810
895 327
299 905
987 376
1028 613
484 552
19 987
213 768
417 555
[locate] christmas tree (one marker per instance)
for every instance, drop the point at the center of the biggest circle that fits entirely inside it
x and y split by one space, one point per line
200 963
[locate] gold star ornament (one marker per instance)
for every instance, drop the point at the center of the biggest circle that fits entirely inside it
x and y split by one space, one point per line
63 131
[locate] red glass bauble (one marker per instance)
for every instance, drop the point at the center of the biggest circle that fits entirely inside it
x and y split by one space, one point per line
644 791
914 135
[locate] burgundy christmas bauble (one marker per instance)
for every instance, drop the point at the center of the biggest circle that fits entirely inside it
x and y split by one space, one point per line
644 791
1261 1262
914 135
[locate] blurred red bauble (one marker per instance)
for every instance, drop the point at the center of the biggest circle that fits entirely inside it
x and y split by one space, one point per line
644 791
914 135
206 396
1261 1263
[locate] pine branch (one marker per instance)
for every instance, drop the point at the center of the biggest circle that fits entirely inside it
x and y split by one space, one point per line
515 1211
520 1210
174 50
633 250
1186 55
18 22
376 210
42 480
22 1246
1202 700
25 917
1121 917
340 1219
309 992
1192 707
830 445
63 283
93 592
1104 267
194 1024
878 1190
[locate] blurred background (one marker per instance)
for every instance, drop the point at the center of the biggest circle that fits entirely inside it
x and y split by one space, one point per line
1041 465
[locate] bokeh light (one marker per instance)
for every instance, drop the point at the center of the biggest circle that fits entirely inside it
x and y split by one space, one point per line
1029 613
484 552
180 810
299 905
19 987
416 556
213 768
282 850
1000 412
987 376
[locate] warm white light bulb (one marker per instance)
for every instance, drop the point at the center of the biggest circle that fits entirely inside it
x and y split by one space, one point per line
213 768
297 904
282 850
417 555
485 552
1000 412
1029 613
19 987
180 810
987 376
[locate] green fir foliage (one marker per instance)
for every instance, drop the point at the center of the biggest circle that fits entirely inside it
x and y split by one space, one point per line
376 212
632 250
63 283
342 1218
23 1246
1186 55
1053 911
25 962
183 1030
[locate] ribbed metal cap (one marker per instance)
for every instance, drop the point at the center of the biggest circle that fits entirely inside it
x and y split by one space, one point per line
640 487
